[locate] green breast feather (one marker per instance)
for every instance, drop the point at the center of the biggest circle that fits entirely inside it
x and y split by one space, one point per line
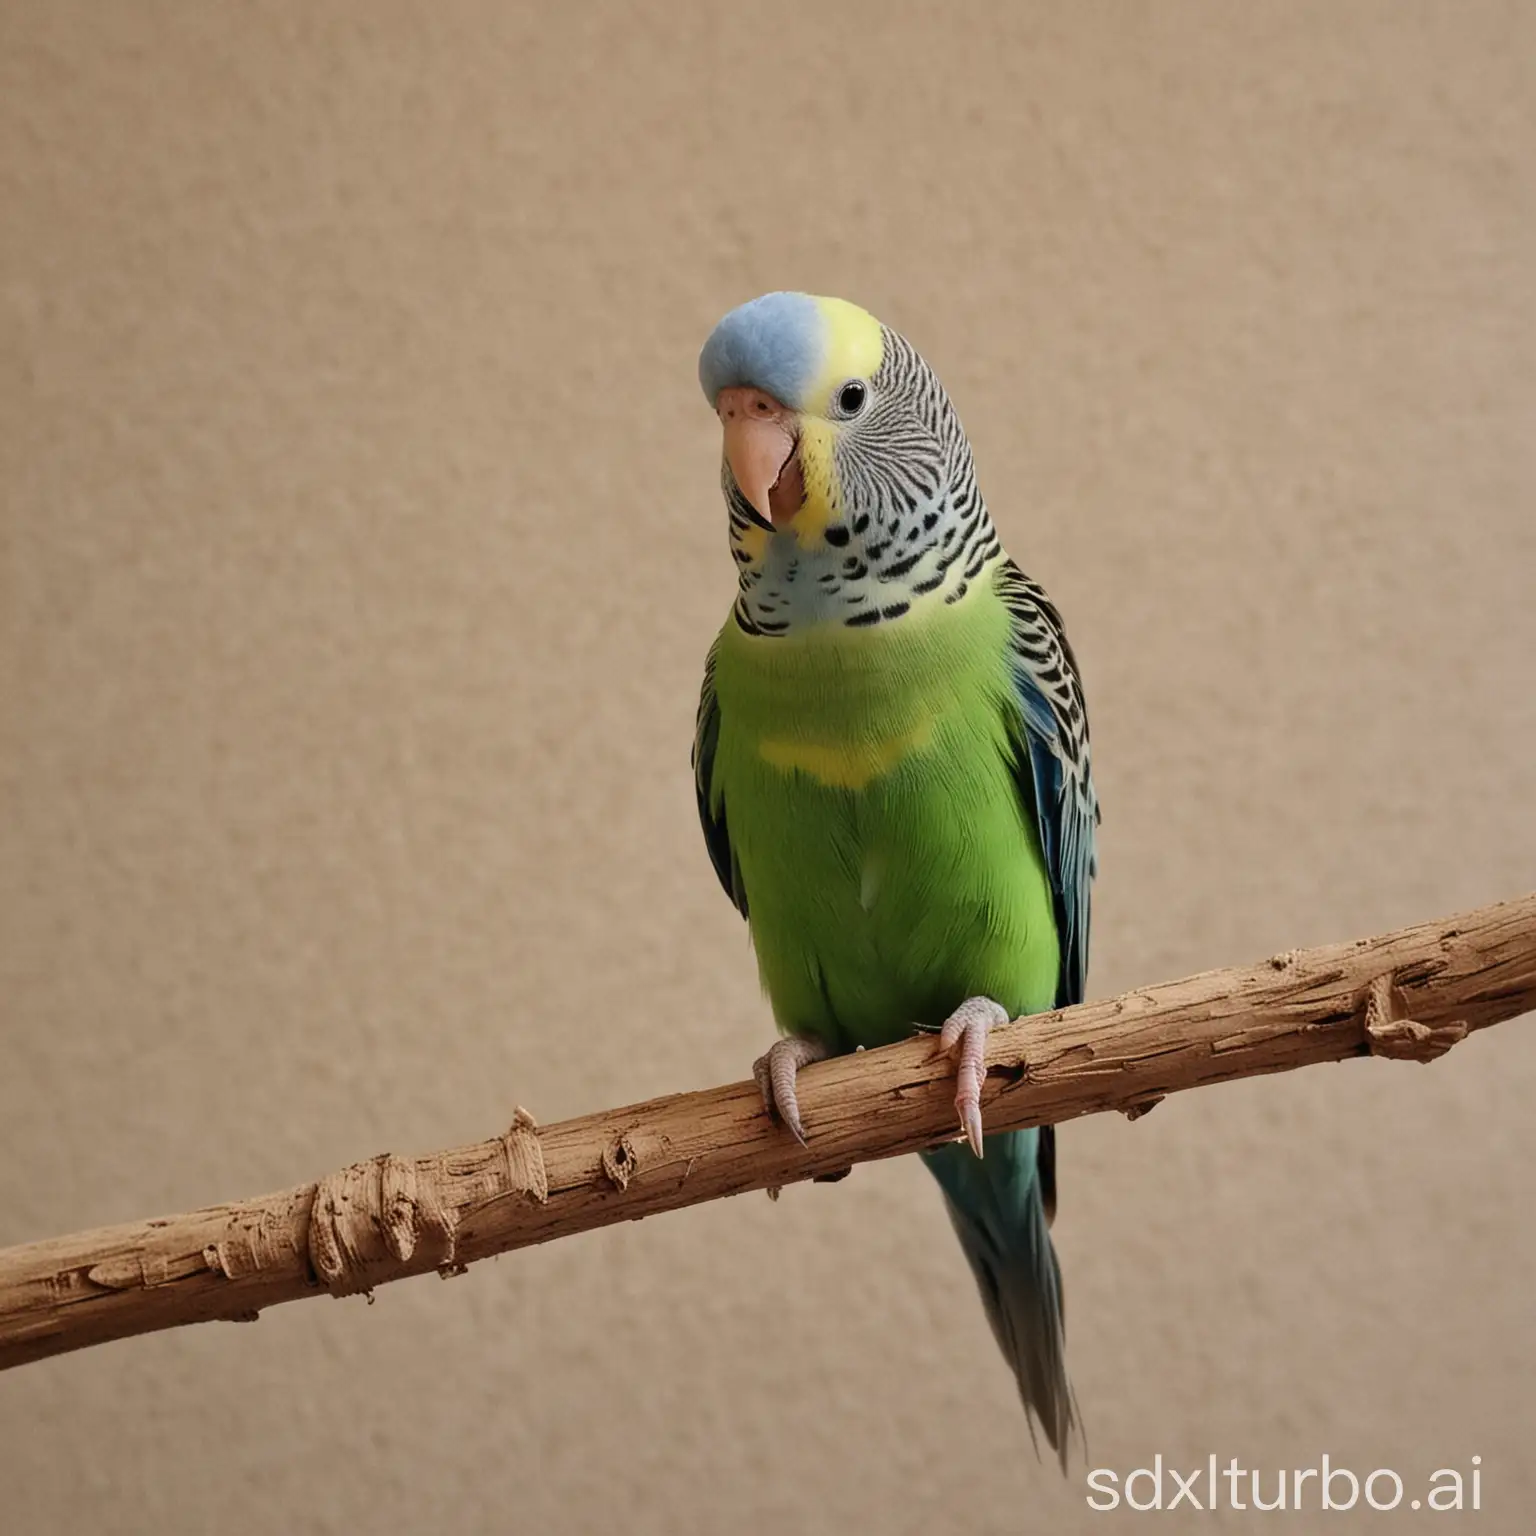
861 790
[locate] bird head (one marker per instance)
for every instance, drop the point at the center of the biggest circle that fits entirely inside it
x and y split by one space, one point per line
789 375
844 464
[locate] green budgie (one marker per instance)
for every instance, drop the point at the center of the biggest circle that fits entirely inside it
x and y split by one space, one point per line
892 763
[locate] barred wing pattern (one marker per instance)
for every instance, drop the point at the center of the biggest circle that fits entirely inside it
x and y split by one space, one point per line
1054 770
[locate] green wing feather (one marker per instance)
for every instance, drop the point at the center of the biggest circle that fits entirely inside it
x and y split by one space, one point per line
706 736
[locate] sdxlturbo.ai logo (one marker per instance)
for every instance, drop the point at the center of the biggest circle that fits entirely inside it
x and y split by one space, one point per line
1290 1488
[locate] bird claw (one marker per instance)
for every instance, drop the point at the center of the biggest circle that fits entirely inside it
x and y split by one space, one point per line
970 1118
967 1028
775 1071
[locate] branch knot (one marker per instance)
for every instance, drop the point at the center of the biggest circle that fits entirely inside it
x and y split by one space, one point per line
1390 1032
368 1221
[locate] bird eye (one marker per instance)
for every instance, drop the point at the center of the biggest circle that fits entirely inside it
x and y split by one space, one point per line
851 397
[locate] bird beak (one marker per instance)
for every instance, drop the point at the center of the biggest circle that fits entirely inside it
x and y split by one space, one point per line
760 442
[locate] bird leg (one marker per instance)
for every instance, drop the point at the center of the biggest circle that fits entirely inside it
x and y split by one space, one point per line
967 1028
775 1072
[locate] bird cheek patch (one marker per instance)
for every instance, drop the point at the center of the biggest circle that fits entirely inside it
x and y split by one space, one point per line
821 504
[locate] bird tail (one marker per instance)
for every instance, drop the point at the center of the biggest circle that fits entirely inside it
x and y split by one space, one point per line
1001 1206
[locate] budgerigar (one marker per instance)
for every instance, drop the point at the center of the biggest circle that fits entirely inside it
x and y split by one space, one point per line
892 763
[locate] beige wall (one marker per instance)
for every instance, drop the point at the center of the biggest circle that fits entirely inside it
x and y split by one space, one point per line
361 547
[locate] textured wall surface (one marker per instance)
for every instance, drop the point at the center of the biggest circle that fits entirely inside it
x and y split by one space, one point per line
361 547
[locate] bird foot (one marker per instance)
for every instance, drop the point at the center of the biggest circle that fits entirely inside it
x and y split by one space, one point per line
775 1072
967 1028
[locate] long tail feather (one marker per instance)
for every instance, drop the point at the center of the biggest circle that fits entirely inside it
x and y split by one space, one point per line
998 1207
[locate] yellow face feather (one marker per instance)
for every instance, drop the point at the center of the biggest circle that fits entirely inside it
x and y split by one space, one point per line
754 541
855 347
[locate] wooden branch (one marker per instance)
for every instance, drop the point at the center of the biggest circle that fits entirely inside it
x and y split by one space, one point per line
1410 994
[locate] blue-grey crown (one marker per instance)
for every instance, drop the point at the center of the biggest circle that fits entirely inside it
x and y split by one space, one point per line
773 343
